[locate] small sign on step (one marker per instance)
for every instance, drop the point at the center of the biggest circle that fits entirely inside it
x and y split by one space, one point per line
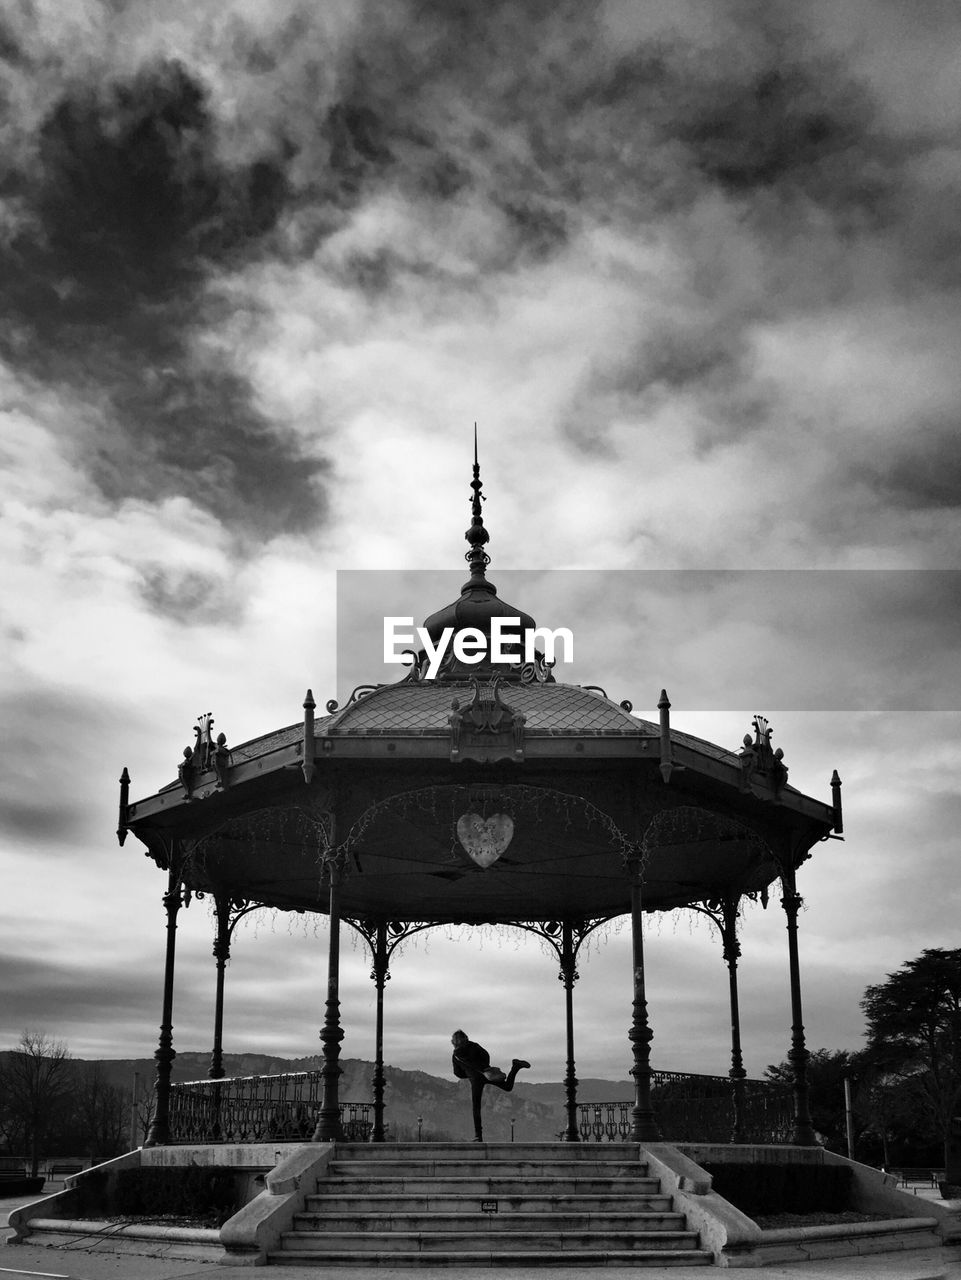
488 1206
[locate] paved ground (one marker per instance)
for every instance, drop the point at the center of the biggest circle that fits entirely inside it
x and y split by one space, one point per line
81 1263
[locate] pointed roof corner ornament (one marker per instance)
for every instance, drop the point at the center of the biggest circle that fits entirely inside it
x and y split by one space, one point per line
125 804
835 802
477 558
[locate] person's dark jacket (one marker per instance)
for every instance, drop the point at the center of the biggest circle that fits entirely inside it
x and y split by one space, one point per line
474 1055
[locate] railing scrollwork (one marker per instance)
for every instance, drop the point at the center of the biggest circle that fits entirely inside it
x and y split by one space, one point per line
280 1108
694 1108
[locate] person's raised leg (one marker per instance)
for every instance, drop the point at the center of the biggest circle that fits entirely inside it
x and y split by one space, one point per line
518 1064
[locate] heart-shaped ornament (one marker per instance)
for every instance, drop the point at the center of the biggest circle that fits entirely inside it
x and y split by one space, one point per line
485 839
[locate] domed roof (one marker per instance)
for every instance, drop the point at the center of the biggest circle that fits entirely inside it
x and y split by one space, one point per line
477 605
396 770
424 707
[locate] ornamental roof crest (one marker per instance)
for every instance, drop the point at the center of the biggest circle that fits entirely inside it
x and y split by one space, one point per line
487 729
758 757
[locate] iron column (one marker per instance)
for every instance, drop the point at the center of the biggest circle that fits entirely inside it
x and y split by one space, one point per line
568 976
221 955
328 1121
732 953
380 974
804 1135
643 1124
159 1134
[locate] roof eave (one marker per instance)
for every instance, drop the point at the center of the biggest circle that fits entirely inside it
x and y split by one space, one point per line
434 746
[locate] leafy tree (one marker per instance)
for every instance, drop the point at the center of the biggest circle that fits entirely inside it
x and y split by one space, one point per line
914 1031
894 1123
826 1071
35 1086
885 1115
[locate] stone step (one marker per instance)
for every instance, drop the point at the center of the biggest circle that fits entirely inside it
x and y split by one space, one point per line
489 1168
360 1243
560 1204
464 1258
572 1184
371 1152
404 1220
329 1202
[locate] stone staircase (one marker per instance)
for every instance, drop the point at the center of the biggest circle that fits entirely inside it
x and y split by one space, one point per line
487 1204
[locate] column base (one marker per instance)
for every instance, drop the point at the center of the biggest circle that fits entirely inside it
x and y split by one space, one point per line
644 1128
329 1128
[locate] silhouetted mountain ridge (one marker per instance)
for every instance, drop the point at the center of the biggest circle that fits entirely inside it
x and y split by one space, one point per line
415 1101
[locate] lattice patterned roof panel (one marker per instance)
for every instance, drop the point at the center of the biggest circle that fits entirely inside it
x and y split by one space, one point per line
426 708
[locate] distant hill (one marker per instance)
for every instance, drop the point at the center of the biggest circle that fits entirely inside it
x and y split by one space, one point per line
443 1105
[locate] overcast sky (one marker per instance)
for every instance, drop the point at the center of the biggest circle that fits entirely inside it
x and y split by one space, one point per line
695 270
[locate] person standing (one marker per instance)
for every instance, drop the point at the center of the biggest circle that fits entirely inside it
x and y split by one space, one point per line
472 1062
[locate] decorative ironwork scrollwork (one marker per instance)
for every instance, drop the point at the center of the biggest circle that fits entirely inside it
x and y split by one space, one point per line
280 1108
511 797
552 932
694 1108
396 932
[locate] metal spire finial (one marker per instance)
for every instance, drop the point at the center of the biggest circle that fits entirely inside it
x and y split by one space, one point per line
477 535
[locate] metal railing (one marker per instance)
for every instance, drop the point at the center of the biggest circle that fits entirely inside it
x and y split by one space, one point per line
281 1108
693 1108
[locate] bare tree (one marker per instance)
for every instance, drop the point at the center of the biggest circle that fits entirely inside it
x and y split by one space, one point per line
100 1112
35 1085
12 1129
144 1105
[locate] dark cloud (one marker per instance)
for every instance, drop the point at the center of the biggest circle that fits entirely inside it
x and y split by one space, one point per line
132 199
52 766
128 212
554 109
42 819
140 188
69 993
188 596
798 126
358 140
762 155
539 229
919 478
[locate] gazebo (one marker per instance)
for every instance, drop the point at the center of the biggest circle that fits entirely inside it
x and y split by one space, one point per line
486 792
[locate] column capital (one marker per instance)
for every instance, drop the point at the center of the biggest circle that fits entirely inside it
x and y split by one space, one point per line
791 901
